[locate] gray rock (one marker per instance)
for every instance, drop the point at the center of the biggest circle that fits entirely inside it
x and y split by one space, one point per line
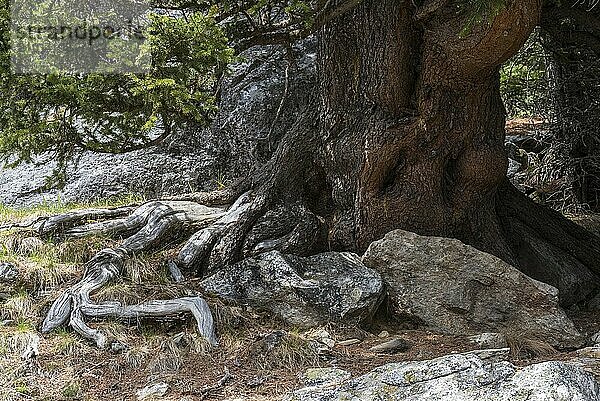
305 292
152 391
194 158
8 271
152 172
252 94
391 347
118 347
455 288
596 338
461 377
489 340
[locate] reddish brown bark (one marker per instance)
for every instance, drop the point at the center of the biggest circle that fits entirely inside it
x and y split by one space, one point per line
412 136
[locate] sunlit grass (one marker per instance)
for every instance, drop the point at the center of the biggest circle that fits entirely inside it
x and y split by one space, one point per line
18 306
44 264
66 343
9 214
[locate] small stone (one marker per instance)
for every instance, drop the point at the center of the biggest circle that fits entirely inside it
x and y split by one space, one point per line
491 355
384 334
154 390
274 338
489 340
322 336
256 381
596 338
118 347
349 341
391 347
8 271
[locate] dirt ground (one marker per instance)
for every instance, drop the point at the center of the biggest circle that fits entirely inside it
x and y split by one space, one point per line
263 361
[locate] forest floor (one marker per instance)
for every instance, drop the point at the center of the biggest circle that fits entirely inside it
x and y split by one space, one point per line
259 358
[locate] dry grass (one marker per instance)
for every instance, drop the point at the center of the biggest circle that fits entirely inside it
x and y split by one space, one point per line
122 292
18 306
45 265
143 269
67 343
527 348
15 339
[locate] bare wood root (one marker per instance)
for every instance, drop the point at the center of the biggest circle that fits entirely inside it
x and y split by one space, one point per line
253 224
198 248
62 222
49 225
155 224
248 230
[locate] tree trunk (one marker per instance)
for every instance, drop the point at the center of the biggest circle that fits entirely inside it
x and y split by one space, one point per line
412 137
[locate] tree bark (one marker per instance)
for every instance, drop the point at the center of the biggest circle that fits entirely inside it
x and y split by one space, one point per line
412 137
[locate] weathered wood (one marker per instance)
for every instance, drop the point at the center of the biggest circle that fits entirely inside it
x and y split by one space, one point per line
155 224
159 308
198 248
62 222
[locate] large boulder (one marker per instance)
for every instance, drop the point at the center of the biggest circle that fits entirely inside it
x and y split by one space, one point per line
193 158
255 109
455 288
459 377
304 292
153 172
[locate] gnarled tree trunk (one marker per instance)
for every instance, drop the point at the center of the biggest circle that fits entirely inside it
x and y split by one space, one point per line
409 134
412 137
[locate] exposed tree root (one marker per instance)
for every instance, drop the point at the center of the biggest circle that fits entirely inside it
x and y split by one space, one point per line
247 230
220 235
549 247
154 224
63 222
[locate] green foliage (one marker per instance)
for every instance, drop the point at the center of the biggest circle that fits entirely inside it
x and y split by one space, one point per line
71 390
524 81
59 114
